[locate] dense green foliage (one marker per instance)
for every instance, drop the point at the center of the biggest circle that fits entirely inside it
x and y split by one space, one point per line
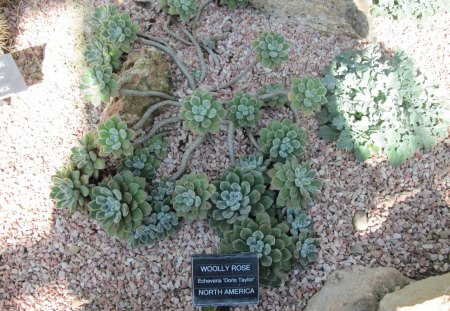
380 103
400 9
308 94
244 110
271 49
114 137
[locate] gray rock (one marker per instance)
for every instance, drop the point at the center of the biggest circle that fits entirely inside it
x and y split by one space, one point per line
360 220
357 249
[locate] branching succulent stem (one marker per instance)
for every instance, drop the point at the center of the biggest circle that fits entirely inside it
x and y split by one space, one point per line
152 109
213 55
171 52
240 76
173 34
136 93
201 60
153 38
230 139
187 155
274 94
252 138
156 128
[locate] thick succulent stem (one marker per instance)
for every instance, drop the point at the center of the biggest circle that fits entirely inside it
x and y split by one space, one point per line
153 38
213 55
173 34
240 76
152 109
171 52
156 128
271 95
201 60
252 138
230 139
200 11
136 93
295 113
187 155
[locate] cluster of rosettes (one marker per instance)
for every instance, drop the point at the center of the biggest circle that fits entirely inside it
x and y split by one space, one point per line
271 49
186 9
244 110
142 163
98 84
99 54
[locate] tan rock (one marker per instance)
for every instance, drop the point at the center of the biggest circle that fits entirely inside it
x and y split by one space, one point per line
432 293
350 17
356 289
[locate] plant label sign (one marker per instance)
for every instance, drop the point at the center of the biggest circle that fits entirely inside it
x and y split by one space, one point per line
11 80
225 279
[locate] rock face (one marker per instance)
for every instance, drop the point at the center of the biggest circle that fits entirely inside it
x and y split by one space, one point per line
145 70
356 289
432 293
351 17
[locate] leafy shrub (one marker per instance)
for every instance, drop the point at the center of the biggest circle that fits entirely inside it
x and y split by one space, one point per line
114 137
98 84
244 110
119 205
191 195
297 184
186 9
98 54
272 244
70 189
379 103
282 140
276 101
271 49
308 94
400 9
202 113
85 157
157 146
233 4
141 163
118 31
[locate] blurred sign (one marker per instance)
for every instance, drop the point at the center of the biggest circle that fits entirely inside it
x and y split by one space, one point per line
11 80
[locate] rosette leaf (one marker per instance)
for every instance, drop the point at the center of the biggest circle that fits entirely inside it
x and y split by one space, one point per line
141 163
70 189
85 157
276 101
98 85
244 110
282 140
191 195
306 249
186 9
157 146
202 113
270 242
296 184
238 194
308 94
119 205
98 54
234 4
162 223
271 49
118 31
114 137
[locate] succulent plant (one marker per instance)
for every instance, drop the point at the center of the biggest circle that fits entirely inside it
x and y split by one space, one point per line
305 250
98 84
276 101
141 163
271 243
282 140
101 14
162 223
308 94
233 4
271 49
161 191
297 184
118 31
244 110
70 189
191 195
85 156
201 113
119 205
186 9
114 137
239 193
157 146
254 162
98 54
298 221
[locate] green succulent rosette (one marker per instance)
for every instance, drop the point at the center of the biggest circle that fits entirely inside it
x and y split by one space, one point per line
114 137
85 157
281 141
161 223
117 31
308 94
270 241
191 195
276 101
98 84
201 113
186 9
119 205
297 221
161 191
102 14
142 163
70 189
253 162
271 49
98 54
157 146
234 4
244 110
306 249
297 184
238 194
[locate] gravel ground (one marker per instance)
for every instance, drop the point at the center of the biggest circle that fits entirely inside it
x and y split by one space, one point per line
49 261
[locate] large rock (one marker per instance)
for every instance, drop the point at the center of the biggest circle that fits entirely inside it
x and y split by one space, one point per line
356 289
351 17
432 293
145 70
